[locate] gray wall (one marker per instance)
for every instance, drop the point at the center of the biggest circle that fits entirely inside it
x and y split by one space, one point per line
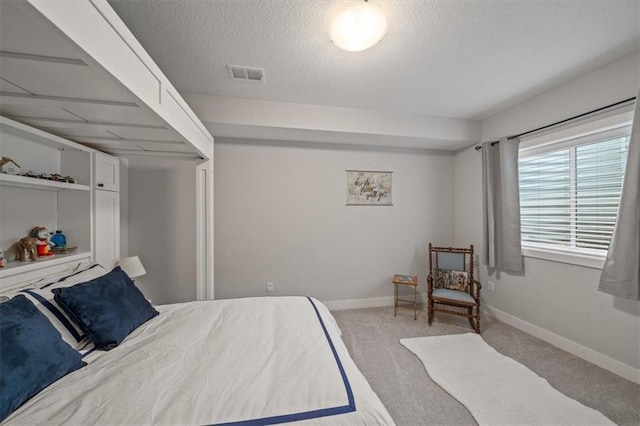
556 301
162 229
280 216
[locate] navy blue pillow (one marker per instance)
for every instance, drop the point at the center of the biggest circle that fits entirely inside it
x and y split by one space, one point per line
32 353
107 308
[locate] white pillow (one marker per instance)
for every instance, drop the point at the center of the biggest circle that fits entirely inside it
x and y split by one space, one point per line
14 290
42 298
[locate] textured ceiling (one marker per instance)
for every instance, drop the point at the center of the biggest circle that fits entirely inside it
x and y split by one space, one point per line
462 59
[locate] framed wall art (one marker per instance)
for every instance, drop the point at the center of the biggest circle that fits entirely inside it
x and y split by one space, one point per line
368 188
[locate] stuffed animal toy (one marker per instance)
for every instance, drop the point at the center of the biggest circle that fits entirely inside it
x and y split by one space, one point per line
26 246
43 243
3 260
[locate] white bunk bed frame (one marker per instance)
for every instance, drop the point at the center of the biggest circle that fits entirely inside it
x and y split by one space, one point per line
92 61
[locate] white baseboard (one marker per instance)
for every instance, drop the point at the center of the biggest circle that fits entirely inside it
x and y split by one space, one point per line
374 302
563 343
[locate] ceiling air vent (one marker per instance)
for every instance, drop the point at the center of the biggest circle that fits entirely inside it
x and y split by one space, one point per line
246 73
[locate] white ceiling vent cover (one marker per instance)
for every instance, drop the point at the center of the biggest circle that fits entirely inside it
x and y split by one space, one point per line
237 72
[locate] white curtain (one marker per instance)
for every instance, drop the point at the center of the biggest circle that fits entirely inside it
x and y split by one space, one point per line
621 272
501 205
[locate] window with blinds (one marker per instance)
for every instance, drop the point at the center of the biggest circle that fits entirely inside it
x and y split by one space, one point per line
569 192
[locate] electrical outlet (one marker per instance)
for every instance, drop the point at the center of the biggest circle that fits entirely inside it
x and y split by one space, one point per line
270 287
491 286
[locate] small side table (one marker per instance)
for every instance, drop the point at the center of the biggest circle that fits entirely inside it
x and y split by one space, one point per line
409 280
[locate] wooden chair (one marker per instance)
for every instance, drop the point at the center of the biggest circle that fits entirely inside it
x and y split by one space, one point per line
450 282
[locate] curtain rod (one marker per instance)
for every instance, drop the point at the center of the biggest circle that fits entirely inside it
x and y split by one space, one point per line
479 147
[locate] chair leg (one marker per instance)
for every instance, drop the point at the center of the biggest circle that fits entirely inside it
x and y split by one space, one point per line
474 319
429 311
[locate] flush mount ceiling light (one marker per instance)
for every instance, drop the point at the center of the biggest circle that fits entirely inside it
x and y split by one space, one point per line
358 26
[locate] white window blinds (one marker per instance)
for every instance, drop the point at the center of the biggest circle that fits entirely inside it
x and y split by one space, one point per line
569 192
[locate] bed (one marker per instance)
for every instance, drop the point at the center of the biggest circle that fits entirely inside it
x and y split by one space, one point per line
261 360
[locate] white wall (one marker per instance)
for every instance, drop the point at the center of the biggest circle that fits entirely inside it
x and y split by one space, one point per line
162 229
280 216
556 301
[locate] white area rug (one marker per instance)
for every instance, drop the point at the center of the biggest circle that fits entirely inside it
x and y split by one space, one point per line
496 389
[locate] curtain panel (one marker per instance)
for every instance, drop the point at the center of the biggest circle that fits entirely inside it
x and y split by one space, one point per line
501 205
621 272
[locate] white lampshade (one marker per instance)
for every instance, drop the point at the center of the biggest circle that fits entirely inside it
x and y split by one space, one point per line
358 26
132 266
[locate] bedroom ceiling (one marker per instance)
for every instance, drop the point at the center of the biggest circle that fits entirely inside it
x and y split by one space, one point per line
456 59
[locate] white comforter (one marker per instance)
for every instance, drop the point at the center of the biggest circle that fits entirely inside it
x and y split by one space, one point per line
263 359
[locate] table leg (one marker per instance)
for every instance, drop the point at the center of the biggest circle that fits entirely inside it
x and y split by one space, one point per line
395 298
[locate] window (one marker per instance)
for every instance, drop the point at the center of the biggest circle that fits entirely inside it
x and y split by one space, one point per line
570 190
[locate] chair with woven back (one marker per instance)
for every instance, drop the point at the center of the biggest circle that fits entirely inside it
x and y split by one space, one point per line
450 283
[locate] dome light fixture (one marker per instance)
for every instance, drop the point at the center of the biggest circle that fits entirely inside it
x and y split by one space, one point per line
358 26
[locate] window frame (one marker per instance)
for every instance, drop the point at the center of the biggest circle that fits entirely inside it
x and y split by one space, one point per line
605 126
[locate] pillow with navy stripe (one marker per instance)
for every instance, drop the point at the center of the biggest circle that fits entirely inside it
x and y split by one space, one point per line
78 277
43 299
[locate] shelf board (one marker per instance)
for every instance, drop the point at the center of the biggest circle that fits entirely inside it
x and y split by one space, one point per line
15 267
35 183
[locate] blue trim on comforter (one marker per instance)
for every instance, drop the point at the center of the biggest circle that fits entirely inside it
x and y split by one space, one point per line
306 415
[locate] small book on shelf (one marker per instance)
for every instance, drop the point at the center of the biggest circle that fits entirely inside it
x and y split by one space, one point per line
61 250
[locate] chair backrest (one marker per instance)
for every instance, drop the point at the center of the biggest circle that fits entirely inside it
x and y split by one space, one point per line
445 263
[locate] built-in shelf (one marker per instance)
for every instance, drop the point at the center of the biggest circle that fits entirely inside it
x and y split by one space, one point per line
30 201
15 267
35 183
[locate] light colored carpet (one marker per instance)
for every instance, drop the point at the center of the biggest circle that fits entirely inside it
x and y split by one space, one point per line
412 398
496 389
